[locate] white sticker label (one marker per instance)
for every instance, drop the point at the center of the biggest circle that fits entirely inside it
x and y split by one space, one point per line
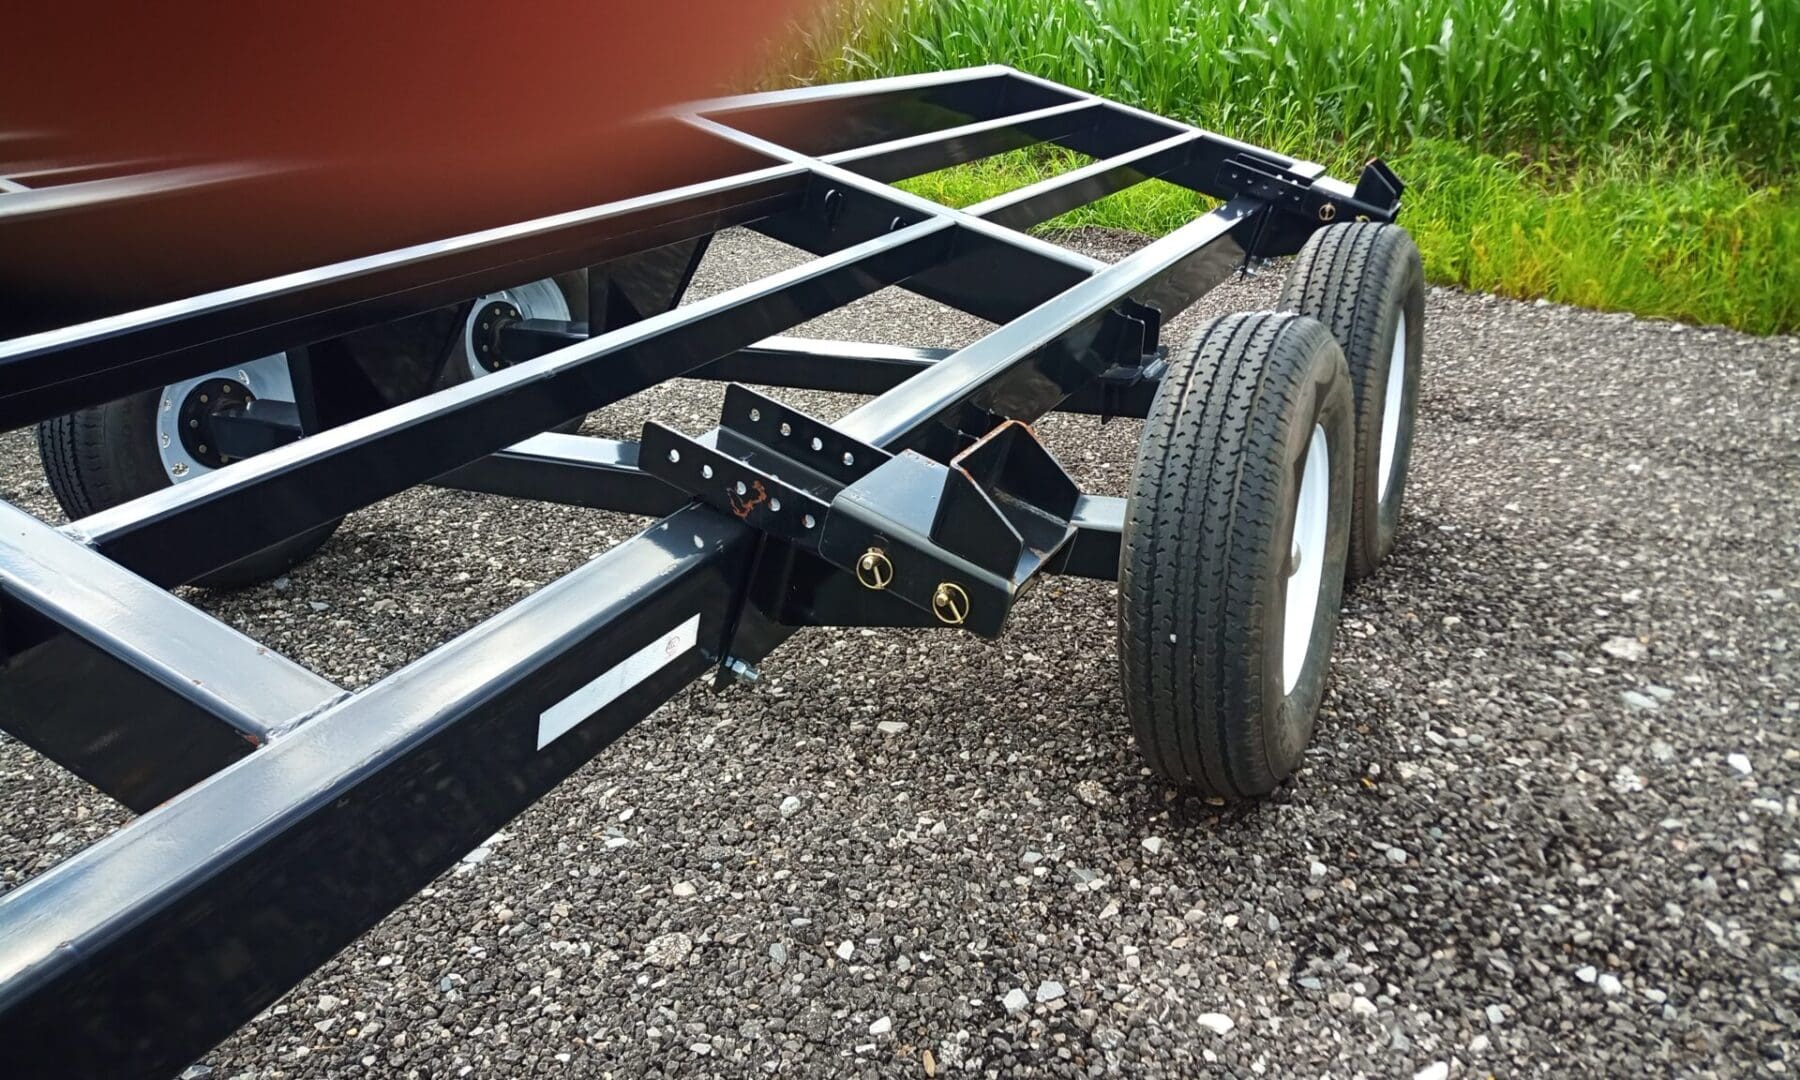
590 699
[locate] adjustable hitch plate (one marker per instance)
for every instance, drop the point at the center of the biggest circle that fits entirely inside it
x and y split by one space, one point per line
961 541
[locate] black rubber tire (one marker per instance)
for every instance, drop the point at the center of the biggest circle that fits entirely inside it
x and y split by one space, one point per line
1358 278
99 457
1203 560
574 289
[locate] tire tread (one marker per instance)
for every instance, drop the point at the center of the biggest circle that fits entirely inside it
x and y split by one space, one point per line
1203 502
1348 276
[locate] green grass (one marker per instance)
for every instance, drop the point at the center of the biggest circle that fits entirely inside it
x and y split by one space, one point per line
1634 155
1629 234
1545 76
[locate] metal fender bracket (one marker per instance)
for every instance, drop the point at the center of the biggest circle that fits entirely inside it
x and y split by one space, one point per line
963 540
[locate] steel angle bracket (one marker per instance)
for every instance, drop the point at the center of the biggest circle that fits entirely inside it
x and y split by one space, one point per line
772 467
961 541
1291 188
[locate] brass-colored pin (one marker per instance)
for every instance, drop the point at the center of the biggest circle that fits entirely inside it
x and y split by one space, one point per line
950 603
1328 211
874 569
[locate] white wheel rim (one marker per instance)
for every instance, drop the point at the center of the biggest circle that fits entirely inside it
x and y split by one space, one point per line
1306 562
1391 408
266 378
541 299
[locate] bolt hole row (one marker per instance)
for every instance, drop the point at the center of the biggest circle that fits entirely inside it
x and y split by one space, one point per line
818 444
706 472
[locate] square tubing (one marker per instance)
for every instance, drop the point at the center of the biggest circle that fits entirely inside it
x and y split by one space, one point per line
60 370
573 470
123 684
1028 366
999 273
890 86
933 150
837 174
133 957
1201 172
602 474
1036 203
181 532
987 275
855 367
823 120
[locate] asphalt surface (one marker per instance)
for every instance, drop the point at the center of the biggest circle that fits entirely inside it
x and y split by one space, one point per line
1550 823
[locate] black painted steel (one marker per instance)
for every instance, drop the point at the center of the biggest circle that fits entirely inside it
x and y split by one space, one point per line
1025 368
282 816
1039 202
124 684
58 370
601 474
934 150
133 957
182 532
854 367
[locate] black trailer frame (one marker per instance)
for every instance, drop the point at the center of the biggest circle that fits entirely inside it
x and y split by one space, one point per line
281 816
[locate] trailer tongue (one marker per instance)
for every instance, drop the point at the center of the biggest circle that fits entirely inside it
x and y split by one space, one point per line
282 815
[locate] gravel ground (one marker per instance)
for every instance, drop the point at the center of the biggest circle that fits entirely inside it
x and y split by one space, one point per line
1550 824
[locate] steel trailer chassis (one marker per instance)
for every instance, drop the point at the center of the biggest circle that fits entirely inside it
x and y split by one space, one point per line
281 816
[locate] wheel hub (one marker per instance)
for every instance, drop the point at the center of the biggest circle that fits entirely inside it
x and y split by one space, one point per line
185 410
214 397
486 323
490 314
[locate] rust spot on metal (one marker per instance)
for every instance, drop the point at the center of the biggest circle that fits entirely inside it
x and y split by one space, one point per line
741 507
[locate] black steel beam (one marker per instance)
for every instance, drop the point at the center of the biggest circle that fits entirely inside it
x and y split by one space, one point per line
184 531
572 470
985 276
855 367
603 474
933 150
1204 168
135 956
998 273
123 684
822 120
1099 530
1027 367
56 371
1039 202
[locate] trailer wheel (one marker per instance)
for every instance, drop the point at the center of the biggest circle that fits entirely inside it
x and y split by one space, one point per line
104 455
1365 282
1232 561
561 297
